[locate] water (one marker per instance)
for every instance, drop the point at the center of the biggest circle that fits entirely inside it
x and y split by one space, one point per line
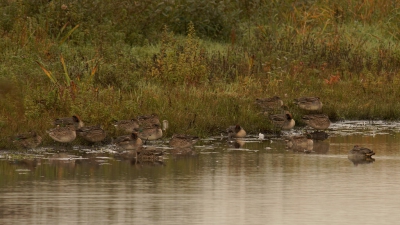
261 182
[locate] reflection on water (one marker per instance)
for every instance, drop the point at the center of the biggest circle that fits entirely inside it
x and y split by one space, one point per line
256 182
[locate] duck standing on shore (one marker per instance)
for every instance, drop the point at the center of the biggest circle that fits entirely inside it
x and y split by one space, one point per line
299 141
65 130
63 134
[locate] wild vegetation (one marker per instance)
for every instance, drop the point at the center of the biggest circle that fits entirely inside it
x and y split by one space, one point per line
198 64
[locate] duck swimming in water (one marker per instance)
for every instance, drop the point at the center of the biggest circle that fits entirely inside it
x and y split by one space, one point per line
183 141
129 142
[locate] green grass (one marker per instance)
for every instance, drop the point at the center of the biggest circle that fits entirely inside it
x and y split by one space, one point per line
201 71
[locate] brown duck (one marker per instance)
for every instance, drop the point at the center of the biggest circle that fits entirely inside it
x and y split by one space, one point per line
63 134
27 140
129 142
269 104
92 133
151 133
127 126
317 121
67 121
309 103
283 121
183 141
147 121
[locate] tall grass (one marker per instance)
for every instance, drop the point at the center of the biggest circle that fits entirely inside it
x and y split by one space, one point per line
200 65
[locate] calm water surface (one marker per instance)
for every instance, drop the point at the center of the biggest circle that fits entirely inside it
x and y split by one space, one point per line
260 183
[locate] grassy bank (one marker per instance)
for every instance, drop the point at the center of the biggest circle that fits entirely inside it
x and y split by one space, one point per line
200 66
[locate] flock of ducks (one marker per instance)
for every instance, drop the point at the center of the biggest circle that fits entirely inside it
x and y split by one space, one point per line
139 130
148 128
315 120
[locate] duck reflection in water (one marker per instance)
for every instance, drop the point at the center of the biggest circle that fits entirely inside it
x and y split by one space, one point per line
300 143
306 145
141 164
183 152
150 154
357 161
142 154
361 155
238 143
320 147
27 163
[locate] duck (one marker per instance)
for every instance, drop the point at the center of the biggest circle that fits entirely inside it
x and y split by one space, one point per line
309 103
183 141
236 131
127 125
129 142
317 121
27 140
146 121
150 133
300 142
361 152
66 121
92 133
63 134
269 104
283 121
